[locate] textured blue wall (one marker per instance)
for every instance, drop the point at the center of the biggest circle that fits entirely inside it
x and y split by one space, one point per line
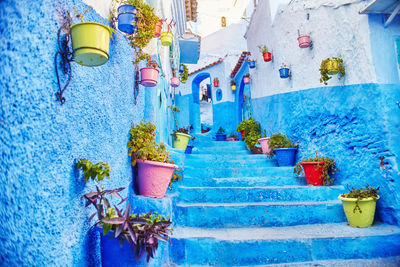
357 124
42 217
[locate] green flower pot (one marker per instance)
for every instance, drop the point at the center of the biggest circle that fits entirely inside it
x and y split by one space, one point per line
364 218
180 140
166 38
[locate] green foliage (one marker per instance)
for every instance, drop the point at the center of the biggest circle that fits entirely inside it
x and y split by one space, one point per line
144 56
329 168
221 131
96 172
233 135
360 194
263 48
279 140
325 77
184 75
252 132
247 75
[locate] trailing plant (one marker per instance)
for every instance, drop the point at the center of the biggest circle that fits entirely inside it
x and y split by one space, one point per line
263 49
329 168
325 77
279 140
144 56
283 66
220 131
360 194
184 75
96 172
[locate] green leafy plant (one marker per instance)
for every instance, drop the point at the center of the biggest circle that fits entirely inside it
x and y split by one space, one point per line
233 83
184 130
247 75
329 168
220 131
279 140
283 66
184 75
325 77
144 56
252 132
360 194
96 172
263 49
233 135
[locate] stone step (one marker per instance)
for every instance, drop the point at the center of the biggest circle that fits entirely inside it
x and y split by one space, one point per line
223 157
221 150
257 214
242 181
221 144
195 172
258 194
280 245
200 163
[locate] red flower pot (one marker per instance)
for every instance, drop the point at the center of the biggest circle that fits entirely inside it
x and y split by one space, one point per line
158 28
304 41
313 172
246 80
216 82
267 56
242 132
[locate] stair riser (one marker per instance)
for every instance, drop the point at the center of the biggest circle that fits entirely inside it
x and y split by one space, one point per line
257 216
230 163
222 157
242 182
237 172
231 253
225 195
211 144
221 151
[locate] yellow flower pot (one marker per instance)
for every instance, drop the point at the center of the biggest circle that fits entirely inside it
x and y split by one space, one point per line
166 38
356 218
90 43
332 66
180 140
233 87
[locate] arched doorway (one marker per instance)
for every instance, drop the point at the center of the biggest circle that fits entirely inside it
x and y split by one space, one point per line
201 114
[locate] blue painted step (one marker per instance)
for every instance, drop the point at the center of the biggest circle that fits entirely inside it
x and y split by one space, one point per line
227 144
256 214
262 246
242 181
199 163
215 157
237 172
259 194
218 150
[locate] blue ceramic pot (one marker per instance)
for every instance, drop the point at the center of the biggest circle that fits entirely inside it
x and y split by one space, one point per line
252 64
285 156
284 73
188 150
220 137
181 68
127 19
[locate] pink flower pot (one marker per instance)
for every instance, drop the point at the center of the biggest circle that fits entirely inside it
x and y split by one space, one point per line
304 41
231 139
148 77
246 80
154 177
175 81
264 145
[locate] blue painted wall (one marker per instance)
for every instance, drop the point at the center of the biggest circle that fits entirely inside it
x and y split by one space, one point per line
355 124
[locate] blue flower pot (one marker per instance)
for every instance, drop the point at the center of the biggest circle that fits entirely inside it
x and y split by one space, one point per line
181 68
220 137
188 150
285 156
284 73
127 19
252 64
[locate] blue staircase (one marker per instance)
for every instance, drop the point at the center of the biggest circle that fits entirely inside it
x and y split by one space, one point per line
238 209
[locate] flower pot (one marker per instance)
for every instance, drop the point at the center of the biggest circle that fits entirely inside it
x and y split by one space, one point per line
154 177
166 38
267 56
149 76
180 140
90 43
364 218
231 139
246 80
304 41
264 145
313 172
252 64
233 87
332 66
285 156
216 82
242 133
158 28
189 149
127 19
181 68
284 73
175 82
220 137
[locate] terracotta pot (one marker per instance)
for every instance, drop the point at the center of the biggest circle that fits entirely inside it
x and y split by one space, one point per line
158 28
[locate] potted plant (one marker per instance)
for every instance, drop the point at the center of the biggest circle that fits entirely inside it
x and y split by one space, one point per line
90 42
304 41
264 51
264 140
242 127
220 135
246 78
251 136
283 148
149 74
252 63
233 85
127 19
155 168
180 136
184 73
119 227
174 80
318 170
329 67
158 28
359 206
216 82
167 37
232 137
284 71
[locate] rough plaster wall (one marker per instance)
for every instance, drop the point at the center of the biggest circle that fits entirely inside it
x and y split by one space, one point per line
336 29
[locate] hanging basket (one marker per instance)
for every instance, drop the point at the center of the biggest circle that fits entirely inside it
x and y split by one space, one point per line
233 87
149 76
284 73
90 43
267 56
246 80
158 28
252 64
332 66
304 41
166 38
175 82
127 19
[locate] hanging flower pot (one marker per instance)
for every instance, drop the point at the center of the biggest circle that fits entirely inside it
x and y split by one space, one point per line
181 68
233 87
149 76
332 66
304 41
246 79
166 38
264 145
90 43
252 64
154 177
127 19
216 82
267 57
158 28
313 172
284 72
175 82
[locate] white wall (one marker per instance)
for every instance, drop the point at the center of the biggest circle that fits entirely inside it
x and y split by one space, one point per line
336 29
